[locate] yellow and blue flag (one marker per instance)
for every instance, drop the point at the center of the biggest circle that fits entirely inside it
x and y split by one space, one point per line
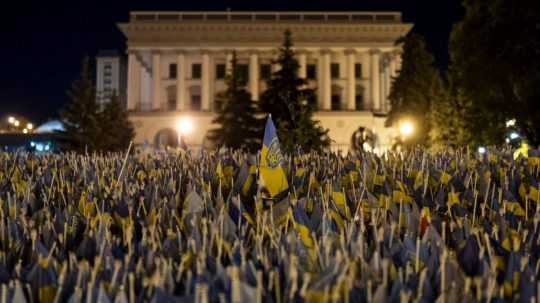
271 169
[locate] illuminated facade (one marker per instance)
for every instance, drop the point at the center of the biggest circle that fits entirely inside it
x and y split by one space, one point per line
177 62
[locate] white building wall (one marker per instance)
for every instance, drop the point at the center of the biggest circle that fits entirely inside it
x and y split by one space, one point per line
150 118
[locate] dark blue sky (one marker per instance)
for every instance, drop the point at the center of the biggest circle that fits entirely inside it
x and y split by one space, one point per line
43 42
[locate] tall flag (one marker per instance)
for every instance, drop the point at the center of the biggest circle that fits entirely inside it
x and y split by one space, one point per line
271 169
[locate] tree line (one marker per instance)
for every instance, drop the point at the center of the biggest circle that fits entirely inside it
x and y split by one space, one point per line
493 77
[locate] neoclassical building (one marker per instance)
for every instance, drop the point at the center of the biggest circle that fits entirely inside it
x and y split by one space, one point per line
177 62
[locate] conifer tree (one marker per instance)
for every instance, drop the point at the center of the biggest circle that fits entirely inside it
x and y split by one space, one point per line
116 129
416 89
80 115
239 126
291 104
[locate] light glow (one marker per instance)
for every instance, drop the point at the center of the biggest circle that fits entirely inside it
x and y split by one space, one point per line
30 126
514 135
11 120
25 131
406 128
482 150
16 123
511 123
184 125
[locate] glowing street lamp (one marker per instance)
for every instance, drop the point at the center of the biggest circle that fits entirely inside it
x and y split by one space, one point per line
406 128
16 123
25 131
514 135
11 120
30 126
482 150
184 125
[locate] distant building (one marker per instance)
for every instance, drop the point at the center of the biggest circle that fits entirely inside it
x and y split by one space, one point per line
178 62
111 76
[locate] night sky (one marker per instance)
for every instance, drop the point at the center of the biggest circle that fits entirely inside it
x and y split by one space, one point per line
43 42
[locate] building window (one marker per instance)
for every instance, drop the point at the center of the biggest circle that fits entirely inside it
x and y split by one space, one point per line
196 102
266 71
358 70
243 72
336 102
107 66
359 100
334 70
196 71
172 71
311 71
220 71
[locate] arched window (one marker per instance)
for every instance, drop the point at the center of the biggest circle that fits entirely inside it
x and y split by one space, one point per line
167 137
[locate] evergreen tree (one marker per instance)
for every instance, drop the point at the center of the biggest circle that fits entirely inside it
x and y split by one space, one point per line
291 104
116 129
80 117
416 89
239 126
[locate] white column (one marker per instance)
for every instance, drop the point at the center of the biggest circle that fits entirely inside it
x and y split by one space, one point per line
156 77
393 67
254 76
366 81
351 80
327 82
302 61
205 87
134 81
180 81
375 79
320 84
228 62
388 79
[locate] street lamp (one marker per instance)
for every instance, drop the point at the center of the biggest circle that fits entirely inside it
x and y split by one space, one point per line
16 123
184 125
406 128
30 126
25 131
11 120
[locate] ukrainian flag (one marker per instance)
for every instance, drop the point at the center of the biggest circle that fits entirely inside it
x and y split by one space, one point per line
271 170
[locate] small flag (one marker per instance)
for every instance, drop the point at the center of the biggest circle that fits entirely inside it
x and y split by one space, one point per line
271 169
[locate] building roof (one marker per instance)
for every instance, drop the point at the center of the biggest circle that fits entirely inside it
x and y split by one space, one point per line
268 16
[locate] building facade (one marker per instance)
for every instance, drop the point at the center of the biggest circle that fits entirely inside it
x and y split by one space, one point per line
177 62
111 76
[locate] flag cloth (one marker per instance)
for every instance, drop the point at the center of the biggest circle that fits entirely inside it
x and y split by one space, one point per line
271 169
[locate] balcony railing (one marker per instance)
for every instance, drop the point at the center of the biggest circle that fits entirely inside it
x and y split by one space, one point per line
330 17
